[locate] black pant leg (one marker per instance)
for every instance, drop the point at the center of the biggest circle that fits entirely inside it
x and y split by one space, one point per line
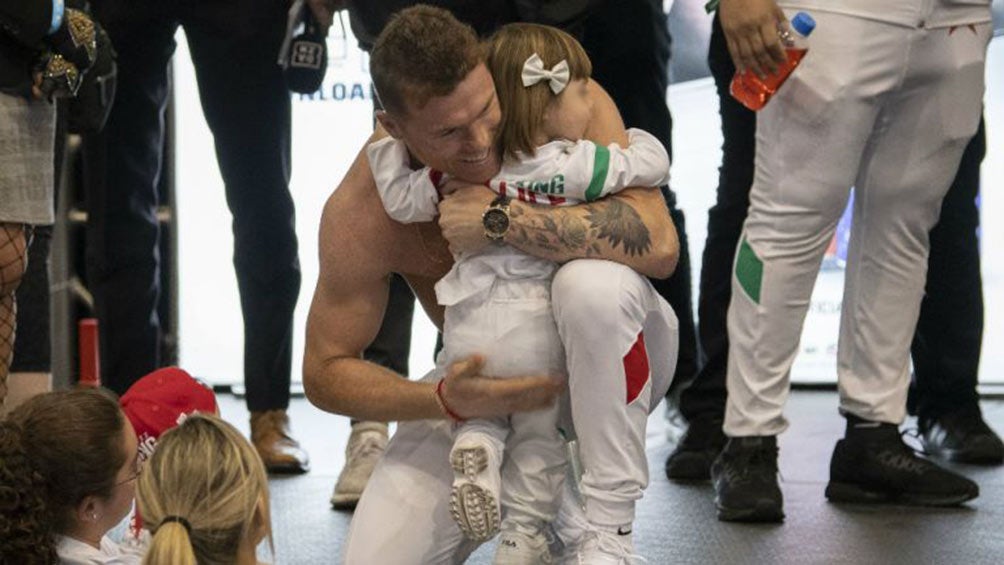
121 168
946 345
629 44
705 396
392 344
234 47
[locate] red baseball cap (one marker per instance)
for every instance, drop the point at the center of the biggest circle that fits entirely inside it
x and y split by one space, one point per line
161 400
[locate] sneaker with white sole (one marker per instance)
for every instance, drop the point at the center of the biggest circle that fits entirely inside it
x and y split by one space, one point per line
603 547
366 445
474 500
518 547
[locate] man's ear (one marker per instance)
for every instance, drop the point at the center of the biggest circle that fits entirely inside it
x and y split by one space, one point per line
389 123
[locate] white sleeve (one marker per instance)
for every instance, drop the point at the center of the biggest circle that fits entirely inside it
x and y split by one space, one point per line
592 171
407 195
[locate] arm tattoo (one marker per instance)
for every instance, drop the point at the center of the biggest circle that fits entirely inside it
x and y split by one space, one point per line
565 231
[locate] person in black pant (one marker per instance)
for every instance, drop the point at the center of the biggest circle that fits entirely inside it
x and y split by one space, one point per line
946 346
234 46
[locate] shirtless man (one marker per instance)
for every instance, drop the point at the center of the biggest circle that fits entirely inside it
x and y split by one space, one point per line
443 106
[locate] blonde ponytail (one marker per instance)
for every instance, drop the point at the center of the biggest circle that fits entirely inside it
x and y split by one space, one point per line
170 545
199 494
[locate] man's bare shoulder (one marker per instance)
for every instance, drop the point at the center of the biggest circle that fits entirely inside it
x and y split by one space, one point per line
357 232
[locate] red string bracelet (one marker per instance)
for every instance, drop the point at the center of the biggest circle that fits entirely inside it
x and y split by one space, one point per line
442 403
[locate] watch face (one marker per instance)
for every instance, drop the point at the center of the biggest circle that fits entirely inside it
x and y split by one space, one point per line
496 222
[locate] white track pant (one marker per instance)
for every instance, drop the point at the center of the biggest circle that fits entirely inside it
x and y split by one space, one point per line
512 325
888 110
620 339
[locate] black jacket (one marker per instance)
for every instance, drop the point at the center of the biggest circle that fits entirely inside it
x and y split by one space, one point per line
23 25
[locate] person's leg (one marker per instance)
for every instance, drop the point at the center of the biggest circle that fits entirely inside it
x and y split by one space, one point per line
899 191
620 342
628 43
247 107
810 137
403 516
31 367
702 401
946 345
13 262
122 166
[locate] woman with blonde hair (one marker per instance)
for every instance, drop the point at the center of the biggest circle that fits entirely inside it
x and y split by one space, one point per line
204 496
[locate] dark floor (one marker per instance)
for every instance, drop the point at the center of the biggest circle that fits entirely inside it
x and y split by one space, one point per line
676 523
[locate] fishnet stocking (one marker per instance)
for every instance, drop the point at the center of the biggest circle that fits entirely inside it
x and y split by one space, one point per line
13 261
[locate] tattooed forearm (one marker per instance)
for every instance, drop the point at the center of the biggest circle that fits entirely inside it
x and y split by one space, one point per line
568 232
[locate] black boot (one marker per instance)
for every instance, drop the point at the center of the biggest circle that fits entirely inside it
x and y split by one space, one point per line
745 479
872 465
962 436
693 456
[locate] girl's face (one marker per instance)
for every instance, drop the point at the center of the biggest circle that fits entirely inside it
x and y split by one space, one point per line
568 115
118 505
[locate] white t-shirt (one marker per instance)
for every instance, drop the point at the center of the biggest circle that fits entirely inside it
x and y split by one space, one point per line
76 552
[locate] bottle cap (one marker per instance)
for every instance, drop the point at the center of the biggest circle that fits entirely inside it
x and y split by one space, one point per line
803 23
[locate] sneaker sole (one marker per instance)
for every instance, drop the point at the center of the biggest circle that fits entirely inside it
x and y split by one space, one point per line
764 511
853 493
473 508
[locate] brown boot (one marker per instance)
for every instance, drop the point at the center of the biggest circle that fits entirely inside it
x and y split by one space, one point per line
279 452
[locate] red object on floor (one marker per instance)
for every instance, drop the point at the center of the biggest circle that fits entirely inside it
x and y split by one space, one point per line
87 343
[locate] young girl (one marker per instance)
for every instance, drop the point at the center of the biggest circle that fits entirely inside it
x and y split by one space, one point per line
68 468
498 300
204 496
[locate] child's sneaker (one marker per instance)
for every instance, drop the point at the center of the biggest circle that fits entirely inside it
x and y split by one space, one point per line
474 502
603 547
516 547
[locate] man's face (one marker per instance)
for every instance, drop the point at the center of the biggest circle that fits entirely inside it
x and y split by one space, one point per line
455 133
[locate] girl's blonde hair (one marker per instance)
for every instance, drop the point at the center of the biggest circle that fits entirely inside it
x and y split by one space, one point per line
208 480
523 106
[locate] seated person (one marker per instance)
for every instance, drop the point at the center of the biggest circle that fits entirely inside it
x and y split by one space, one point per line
68 469
204 496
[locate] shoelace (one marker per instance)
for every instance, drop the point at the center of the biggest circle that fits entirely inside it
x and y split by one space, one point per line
748 464
368 444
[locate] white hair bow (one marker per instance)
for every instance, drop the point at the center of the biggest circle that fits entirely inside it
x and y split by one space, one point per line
534 72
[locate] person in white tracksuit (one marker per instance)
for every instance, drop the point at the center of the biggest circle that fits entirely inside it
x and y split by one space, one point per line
497 301
885 101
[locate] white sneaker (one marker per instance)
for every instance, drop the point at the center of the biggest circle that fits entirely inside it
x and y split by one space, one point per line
603 547
518 548
366 444
474 502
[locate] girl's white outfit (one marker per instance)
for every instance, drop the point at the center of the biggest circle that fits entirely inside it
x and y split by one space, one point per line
498 303
76 552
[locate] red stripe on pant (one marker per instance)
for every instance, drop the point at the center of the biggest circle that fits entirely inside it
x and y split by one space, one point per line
636 370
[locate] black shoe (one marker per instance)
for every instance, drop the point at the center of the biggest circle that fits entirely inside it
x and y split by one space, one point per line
745 479
962 436
872 466
693 456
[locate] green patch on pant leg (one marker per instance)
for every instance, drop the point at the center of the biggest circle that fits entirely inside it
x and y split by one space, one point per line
749 271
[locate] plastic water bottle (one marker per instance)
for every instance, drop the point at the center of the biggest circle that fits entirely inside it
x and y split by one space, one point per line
752 91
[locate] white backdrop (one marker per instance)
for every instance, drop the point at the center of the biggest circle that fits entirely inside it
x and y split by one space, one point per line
328 131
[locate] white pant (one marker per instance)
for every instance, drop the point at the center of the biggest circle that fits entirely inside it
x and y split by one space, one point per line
609 318
886 109
512 325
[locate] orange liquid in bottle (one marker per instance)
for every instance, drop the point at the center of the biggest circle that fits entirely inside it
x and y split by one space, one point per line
753 92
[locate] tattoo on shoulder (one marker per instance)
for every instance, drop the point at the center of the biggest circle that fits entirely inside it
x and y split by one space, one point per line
610 220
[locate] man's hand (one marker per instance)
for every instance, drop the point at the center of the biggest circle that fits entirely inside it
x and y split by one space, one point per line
460 216
751 28
324 10
470 395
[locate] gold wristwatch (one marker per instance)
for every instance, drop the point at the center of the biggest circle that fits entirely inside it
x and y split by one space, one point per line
496 218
